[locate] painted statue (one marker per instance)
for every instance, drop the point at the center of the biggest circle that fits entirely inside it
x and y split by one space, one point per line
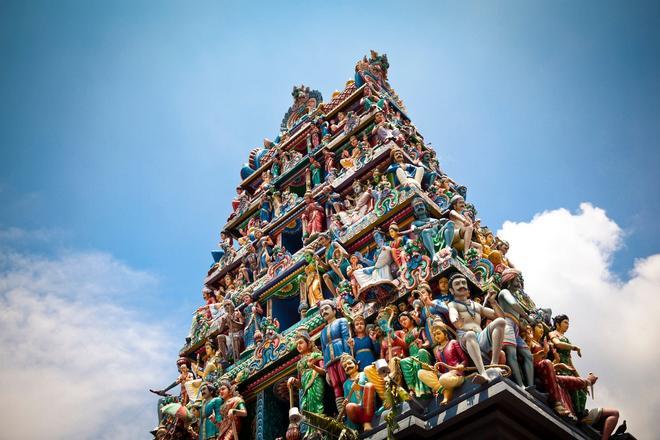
451 360
431 230
418 357
359 395
514 346
311 373
380 273
465 314
253 314
232 410
464 225
334 343
209 412
336 261
406 174
313 218
364 347
430 309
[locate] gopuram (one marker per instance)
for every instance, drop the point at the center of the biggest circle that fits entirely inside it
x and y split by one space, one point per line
354 294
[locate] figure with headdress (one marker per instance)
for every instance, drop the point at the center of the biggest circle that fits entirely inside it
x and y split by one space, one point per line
417 355
406 174
451 360
253 314
311 372
336 262
435 234
184 376
212 368
232 410
464 225
514 346
430 310
359 395
380 273
231 332
313 218
466 314
334 343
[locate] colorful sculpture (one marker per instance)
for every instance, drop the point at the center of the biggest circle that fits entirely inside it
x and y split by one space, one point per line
382 285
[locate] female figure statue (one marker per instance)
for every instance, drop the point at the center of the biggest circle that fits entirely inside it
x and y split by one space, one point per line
363 346
310 381
232 408
418 356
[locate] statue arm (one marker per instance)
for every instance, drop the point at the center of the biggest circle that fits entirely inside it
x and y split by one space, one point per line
506 296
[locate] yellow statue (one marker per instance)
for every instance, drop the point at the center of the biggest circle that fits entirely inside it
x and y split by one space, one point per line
311 289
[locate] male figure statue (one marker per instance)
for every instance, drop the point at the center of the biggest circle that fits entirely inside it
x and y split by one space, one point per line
334 343
465 315
428 228
514 344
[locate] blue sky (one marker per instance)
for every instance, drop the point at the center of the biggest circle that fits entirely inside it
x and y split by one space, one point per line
123 125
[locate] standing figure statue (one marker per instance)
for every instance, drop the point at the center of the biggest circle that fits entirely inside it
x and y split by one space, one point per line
311 372
466 315
233 408
359 395
514 346
434 233
253 314
184 376
231 333
212 367
334 343
310 290
209 412
364 347
313 218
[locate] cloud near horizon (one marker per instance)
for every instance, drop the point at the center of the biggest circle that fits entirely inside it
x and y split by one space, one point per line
566 262
74 361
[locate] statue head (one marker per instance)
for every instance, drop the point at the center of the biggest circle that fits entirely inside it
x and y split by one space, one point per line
457 203
512 280
209 347
303 340
396 155
406 320
425 292
561 323
443 285
328 310
348 363
379 117
354 141
458 286
207 390
438 331
419 207
226 390
359 324
393 230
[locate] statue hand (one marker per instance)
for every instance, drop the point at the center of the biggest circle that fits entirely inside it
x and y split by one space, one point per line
577 350
351 342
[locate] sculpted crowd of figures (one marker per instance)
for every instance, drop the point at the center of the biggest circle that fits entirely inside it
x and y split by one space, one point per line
401 295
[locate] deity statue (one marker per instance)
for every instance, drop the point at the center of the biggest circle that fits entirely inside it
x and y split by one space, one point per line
465 314
310 290
336 260
431 230
360 395
334 343
212 367
379 274
430 309
370 100
313 218
266 211
364 347
226 248
311 372
418 356
338 124
406 174
231 333
447 373
361 202
385 131
329 162
315 172
464 225
253 314
263 246
232 409
397 244
184 376
209 412
514 346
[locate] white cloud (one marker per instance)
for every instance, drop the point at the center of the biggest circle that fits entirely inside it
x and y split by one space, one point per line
566 262
74 363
